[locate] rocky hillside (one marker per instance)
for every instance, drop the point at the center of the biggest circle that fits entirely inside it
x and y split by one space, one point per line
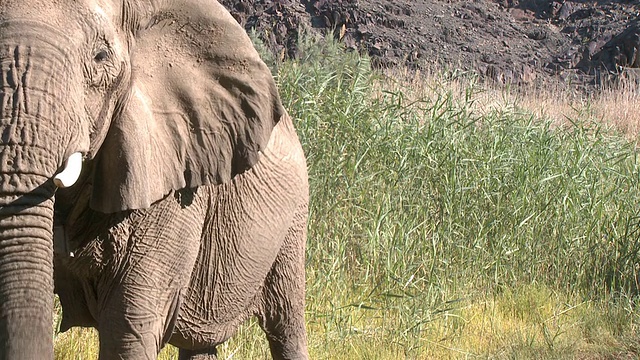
514 41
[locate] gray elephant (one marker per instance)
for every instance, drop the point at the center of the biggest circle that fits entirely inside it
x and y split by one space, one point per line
146 156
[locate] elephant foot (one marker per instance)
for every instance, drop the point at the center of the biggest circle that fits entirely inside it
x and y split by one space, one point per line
207 354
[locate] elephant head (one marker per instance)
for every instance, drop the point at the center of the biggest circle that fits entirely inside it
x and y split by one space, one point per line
151 96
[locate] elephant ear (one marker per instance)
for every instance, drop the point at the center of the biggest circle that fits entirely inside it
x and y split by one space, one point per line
201 107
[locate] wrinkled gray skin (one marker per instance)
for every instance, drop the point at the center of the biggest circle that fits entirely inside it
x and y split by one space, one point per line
190 213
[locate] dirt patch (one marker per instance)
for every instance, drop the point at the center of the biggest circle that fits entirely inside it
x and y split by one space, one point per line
509 41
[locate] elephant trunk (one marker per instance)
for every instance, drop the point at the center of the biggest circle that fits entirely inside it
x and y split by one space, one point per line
35 138
41 124
26 268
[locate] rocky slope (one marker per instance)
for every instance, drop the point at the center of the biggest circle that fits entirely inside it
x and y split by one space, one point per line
510 41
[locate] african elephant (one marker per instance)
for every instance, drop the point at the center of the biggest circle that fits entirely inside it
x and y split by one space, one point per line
150 175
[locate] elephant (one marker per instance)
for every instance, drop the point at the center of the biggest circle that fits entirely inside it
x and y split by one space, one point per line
150 176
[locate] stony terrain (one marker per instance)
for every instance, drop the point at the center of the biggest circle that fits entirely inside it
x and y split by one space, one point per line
510 41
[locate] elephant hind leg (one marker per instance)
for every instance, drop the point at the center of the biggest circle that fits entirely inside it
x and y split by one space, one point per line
282 313
209 354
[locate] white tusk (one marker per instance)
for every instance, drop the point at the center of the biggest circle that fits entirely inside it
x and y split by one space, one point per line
71 172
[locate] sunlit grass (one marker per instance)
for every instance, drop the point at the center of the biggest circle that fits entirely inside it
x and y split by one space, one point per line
77 344
530 322
446 225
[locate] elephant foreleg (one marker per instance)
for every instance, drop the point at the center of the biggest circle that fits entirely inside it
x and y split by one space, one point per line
141 296
140 333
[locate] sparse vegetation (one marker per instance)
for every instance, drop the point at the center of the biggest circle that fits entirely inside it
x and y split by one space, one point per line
445 228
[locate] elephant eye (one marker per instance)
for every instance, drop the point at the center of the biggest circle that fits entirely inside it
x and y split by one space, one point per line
101 56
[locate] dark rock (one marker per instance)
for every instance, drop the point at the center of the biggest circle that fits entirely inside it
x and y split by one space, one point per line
620 52
537 34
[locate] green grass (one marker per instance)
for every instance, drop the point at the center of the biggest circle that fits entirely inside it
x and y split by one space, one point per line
439 233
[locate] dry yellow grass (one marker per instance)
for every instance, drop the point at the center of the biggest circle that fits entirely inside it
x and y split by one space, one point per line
614 106
617 107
